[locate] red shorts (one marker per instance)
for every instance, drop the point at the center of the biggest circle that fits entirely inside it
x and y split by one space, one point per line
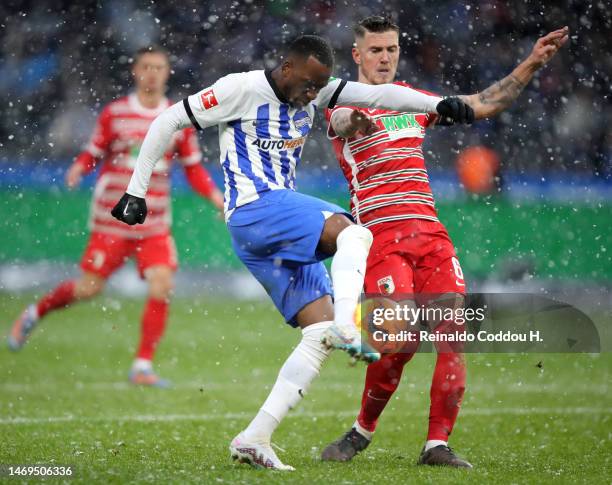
105 253
413 256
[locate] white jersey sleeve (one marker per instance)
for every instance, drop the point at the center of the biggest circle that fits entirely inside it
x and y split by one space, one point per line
222 102
383 96
154 146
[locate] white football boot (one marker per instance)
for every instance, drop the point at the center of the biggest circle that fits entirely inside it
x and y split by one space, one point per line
258 455
348 339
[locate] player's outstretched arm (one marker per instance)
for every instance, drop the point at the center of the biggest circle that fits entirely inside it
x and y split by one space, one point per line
399 98
386 96
132 208
154 146
222 102
96 150
502 94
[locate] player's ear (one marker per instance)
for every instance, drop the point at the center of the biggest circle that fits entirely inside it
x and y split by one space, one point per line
356 55
287 67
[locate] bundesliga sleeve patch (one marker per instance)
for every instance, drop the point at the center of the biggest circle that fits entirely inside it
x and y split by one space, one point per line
208 99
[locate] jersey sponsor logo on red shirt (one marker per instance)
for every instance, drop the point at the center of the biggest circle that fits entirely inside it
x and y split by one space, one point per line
402 126
208 99
386 286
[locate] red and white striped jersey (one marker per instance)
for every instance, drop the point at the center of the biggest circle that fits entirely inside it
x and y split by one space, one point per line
116 140
386 171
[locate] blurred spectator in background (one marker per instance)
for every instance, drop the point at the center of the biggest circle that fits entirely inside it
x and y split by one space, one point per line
478 168
58 59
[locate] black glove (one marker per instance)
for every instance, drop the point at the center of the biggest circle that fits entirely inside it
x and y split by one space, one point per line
130 209
453 110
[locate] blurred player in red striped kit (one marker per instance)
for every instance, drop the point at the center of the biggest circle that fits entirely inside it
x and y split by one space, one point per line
381 155
115 143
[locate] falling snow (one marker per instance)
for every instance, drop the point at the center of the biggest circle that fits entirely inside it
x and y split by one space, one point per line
60 63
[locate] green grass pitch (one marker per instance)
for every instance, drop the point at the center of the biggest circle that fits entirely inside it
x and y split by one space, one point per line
64 400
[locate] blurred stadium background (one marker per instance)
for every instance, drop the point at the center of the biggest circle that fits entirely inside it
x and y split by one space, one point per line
543 224
547 218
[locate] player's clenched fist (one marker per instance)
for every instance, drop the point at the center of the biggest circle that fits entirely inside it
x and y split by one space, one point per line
130 209
454 110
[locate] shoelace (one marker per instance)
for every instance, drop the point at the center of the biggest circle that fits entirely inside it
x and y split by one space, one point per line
447 448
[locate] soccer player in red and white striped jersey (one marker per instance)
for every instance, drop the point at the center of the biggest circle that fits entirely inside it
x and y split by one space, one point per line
386 171
412 256
116 140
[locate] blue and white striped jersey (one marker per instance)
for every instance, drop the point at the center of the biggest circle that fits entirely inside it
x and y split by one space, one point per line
261 137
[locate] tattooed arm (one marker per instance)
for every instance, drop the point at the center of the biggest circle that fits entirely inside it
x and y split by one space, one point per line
502 94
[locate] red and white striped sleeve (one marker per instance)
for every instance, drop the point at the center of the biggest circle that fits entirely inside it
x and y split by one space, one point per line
98 144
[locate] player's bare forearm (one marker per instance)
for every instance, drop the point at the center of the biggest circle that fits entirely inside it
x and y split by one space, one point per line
499 96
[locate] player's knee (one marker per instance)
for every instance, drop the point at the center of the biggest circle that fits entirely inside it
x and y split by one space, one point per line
88 287
161 286
334 226
453 301
355 234
337 223
162 291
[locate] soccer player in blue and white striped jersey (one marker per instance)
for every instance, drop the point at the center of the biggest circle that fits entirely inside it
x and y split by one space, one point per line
282 236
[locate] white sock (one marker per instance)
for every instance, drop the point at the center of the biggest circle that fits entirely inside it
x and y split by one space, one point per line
142 365
294 378
348 271
362 431
433 443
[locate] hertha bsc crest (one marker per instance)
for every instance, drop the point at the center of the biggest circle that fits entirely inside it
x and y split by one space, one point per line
386 285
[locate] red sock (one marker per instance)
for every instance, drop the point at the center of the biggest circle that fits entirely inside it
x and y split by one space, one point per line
447 388
382 379
153 326
61 296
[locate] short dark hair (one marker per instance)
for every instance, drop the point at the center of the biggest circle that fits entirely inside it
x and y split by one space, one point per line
374 23
313 45
150 49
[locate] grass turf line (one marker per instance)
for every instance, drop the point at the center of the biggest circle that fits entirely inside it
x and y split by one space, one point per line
519 423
